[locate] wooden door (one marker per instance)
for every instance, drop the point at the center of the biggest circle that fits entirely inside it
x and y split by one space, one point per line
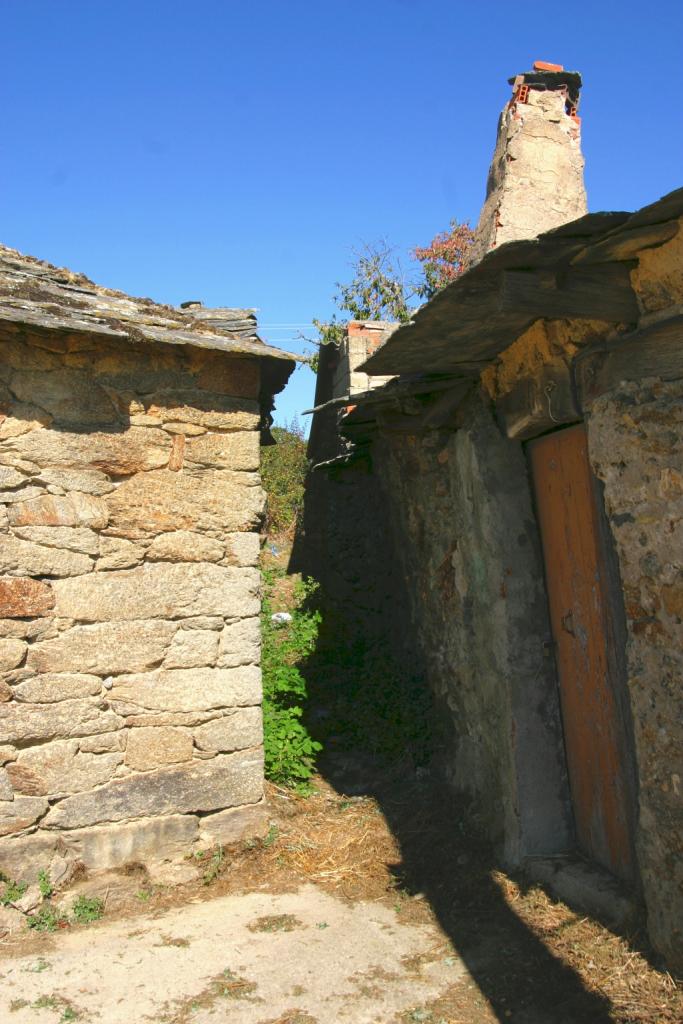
576 576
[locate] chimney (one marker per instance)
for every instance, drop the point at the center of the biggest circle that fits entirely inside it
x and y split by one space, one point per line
536 178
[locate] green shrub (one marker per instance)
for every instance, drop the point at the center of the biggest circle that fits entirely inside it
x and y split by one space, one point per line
45 919
44 884
290 750
283 471
11 891
87 909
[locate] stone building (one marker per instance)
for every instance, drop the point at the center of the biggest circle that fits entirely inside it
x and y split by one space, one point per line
130 504
525 468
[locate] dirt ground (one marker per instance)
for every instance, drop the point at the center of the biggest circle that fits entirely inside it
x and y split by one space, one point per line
334 916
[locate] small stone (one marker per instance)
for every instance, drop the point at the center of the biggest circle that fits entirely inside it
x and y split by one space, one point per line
89 481
6 790
11 921
72 538
29 559
27 629
234 825
6 692
111 741
203 622
104 648
240 643
56 686
149 747
68 395
190 690
61 871
118 553
120 452
21 722
74 509
234 450
184 718
24 598
185 546
192 648
11 654
8 753
205 409
60 767
242 548
163 500
144 841
141 419
31 899
11 478
189 429
23 418
160 590
20 813
236 730
21 495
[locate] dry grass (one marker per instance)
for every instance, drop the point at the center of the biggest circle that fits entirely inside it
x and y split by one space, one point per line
345 846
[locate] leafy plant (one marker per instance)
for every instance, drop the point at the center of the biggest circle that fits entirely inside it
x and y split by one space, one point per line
283 472
44 884
46 919
12 891
290 750
214 869
87 909
444 259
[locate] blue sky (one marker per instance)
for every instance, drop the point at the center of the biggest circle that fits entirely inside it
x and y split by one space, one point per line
238 153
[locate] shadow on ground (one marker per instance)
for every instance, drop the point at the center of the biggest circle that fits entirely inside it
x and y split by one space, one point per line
522 981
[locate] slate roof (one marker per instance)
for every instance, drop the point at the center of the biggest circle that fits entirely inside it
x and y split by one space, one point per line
583 265
42 296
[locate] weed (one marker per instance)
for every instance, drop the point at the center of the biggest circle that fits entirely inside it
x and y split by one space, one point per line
290 750
169 940
46 919
45 885
39 966
45 1003
12 891
275 923
144 895
272 835
17 1004
56 1003
87 909
215 866
231 986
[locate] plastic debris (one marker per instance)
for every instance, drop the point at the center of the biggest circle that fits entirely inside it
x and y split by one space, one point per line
281 618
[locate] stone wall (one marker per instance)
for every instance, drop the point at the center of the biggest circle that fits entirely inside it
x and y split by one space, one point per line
130 722
635 437
465 535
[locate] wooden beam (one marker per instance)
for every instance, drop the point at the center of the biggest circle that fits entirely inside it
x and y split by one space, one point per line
654 351
600 292
539 403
